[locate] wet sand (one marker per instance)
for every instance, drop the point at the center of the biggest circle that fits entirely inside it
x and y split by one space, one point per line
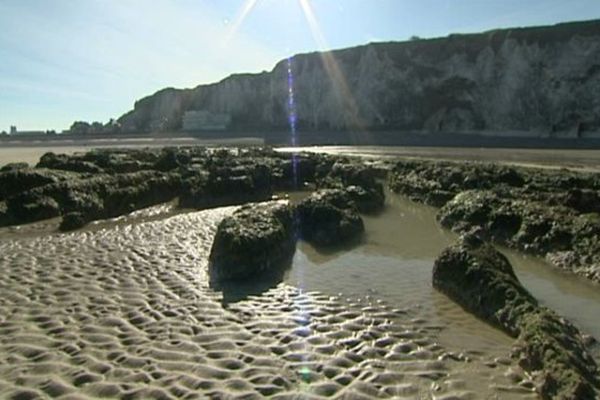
125 310
395 242
549 158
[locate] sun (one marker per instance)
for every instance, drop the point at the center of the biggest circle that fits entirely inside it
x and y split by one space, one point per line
330 64
248 6
313 24
245 10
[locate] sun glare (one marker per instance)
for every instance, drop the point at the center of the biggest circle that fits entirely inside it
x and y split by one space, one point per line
331 65
241 16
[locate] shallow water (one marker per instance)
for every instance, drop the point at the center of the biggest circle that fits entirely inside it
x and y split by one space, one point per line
548 158
395 263
571 296
552 158
125 308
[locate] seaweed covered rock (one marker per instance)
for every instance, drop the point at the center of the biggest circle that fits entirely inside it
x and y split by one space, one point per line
544 229
73 220
361 183
419 183
155 189
484 209
294 172
257 240
35 207
367 201
225 186
568 240
329 217
481 280
109 182
112 196
67 163
4 216
101 196
355 173
583 200
14 166
437 182
16 180
117 161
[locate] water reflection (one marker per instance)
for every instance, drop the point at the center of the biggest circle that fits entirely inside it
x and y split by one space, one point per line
571 296
394 263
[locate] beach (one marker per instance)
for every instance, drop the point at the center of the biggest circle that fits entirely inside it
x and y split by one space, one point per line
123 308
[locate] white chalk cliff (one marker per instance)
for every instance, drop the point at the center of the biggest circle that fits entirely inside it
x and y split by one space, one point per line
542 80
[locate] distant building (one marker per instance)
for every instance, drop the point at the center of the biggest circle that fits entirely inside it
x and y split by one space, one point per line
30 133
15 132
203 120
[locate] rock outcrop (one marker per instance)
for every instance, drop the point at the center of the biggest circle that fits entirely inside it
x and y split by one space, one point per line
361 183
15 181
107 183
550 213
257 240
329 217
540 80
92 197
481 280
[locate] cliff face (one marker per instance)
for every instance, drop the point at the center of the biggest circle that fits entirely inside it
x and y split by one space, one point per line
543 80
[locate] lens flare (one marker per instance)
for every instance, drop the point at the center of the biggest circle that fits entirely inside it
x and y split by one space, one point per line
241 16
332 68
292 118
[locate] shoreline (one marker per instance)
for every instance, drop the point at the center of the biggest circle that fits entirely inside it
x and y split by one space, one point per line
385 138
97 186
579 159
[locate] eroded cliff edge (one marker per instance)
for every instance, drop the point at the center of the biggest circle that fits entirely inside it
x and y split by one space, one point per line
541 80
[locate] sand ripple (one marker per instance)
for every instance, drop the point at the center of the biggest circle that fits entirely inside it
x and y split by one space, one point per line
126 312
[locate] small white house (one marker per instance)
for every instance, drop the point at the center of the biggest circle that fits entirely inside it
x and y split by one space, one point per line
204 120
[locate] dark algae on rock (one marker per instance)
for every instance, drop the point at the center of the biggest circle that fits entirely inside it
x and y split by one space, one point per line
361 183
253 247
15 181
256 240
108 183
260 239
329 217
481 280
549 213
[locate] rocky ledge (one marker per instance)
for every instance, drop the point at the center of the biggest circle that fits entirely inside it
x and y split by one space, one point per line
259 240
482 281
329 218
256 240
361 183
549 213
108 183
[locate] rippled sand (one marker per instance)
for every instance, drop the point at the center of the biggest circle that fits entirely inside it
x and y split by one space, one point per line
123 310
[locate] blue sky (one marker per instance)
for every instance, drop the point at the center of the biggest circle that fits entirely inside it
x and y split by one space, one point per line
66 60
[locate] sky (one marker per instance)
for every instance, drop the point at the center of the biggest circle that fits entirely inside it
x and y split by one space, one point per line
68 60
